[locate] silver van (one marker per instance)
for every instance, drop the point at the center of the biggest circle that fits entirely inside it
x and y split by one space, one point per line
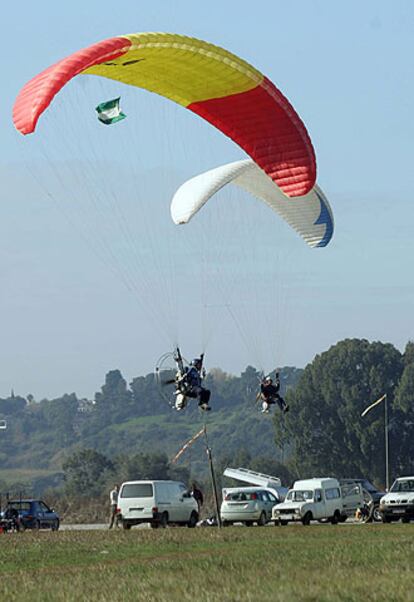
156 502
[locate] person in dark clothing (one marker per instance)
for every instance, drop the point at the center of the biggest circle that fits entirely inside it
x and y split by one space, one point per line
198 496
269 393
190 385
11 515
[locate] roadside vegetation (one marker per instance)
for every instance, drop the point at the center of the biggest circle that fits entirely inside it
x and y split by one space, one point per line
80 448
345 563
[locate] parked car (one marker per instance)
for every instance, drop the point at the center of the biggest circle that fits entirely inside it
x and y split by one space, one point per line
156 502
311 499
399 502
32 514
247 505
372 496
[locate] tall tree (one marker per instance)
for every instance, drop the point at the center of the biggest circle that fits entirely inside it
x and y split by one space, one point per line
324 426
115 399
86 472
402 432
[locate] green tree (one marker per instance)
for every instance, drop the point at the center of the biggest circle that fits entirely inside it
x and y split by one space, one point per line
402 428
324 427
86 472
115 399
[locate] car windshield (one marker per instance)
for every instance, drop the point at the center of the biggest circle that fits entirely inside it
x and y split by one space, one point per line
403 486
369 486
137 490
300 496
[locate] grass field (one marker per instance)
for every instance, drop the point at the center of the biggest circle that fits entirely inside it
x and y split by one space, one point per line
317 563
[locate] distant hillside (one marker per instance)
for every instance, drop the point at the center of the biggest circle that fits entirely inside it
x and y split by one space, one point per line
125 420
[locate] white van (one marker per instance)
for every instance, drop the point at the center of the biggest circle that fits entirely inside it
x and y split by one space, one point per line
156 502
311 499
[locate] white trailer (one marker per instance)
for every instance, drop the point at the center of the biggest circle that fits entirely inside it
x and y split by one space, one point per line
258 479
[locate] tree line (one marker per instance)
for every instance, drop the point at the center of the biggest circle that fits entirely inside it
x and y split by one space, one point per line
134 431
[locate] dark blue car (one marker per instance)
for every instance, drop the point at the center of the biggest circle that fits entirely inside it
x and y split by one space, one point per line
33 514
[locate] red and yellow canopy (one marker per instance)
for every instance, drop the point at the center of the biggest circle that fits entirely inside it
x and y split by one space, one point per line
210 81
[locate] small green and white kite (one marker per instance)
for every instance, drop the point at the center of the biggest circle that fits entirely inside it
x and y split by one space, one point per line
110 112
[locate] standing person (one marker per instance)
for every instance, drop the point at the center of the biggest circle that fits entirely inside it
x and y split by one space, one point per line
113 500
198 496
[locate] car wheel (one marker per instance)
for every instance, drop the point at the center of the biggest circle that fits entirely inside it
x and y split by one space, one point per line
126 525
307 518
248 523
376 515
335 518
262 520
193 520
164 520
36 525
405 520
55 525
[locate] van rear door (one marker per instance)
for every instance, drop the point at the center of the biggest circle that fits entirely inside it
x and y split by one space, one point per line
137 500
352 498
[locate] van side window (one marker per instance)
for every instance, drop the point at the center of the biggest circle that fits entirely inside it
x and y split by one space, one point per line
318 495
332 494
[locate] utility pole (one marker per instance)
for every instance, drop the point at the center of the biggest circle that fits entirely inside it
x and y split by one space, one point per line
387 472
384 398
213 479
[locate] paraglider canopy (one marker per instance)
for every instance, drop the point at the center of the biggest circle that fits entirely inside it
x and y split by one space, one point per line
310 215
210 81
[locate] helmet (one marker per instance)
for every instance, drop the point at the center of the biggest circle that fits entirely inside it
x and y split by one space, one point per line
268 379
197 362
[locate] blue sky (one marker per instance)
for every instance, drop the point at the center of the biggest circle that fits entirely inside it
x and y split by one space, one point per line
346 68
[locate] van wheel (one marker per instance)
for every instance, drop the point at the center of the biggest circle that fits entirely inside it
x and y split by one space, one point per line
262 520
307 518
193 520
249 523
164 520
335 518
126 525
